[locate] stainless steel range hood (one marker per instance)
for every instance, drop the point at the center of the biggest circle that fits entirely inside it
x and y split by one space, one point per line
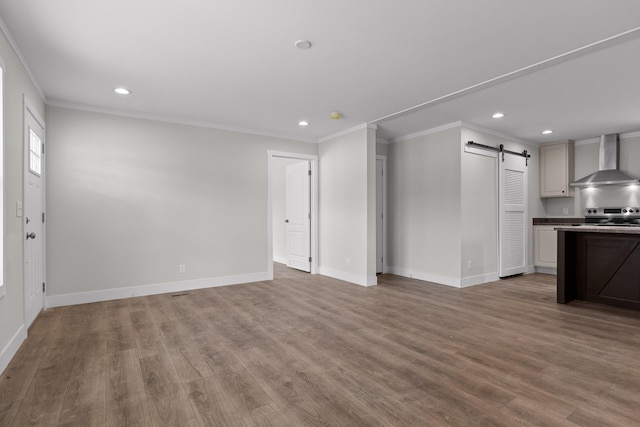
609 173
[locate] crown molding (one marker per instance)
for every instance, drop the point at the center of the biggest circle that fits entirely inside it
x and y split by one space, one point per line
165 119
348 131
21 58
498 134
426 132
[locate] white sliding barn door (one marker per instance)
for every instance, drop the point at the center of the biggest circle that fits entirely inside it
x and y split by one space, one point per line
298 212
512 209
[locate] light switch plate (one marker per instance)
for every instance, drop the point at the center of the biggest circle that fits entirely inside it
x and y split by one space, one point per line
19 209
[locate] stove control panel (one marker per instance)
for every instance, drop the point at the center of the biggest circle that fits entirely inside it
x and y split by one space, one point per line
612 212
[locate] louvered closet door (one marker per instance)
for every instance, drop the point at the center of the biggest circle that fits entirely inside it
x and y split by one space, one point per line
512 229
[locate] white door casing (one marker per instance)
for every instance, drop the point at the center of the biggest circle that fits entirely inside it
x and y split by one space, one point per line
298 216
379 215
512 212
33 214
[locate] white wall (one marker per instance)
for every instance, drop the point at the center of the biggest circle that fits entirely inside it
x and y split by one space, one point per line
16 84
129 200
424 205
278 201
443 206
347 207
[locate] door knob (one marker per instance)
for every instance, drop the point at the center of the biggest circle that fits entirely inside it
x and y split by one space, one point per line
31 235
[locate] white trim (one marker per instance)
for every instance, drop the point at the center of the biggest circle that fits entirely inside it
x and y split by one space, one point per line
547 270
280 259
587 141
155 289
173 120
596 140
3 282
426 277
520 72
12 347
349 277
21 58
348 131
385 257
30 109
479 280
483 129
629 135
313 160
425 132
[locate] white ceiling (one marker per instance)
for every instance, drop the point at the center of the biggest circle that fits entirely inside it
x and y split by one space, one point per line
572 65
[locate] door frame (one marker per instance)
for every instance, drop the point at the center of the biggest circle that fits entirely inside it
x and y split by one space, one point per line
385 264
313 160
29 109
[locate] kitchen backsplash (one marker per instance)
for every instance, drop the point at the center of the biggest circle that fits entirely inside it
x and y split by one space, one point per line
593 197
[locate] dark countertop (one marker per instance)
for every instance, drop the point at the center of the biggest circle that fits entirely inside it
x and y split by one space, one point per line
612 229
557 221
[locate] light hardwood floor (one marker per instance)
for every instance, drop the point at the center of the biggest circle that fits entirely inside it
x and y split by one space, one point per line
309 350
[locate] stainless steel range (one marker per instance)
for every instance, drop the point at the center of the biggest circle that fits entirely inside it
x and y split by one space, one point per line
624 216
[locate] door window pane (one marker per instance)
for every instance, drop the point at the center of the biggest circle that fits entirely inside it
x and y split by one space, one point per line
35 153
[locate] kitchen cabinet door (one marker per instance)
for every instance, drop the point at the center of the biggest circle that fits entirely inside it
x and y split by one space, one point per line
545 246
556 169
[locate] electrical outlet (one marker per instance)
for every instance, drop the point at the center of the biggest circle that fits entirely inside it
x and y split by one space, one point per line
348 261
565 211
469 264
182 269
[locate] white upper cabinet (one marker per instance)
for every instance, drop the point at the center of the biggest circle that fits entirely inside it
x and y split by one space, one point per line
556 169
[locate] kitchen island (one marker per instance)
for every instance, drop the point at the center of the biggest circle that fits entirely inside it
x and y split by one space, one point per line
599 264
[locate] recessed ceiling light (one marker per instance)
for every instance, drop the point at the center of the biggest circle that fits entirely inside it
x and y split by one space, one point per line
303 44
122 91
498 115
303 123
547 132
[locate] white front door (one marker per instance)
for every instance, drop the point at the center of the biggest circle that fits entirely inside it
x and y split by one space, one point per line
33 216
298 216
512 226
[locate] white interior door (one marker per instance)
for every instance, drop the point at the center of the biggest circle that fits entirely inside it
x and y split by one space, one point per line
298 213
512 227
379 215
33 216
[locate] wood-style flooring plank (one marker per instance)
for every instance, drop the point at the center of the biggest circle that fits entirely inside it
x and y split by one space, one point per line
307 350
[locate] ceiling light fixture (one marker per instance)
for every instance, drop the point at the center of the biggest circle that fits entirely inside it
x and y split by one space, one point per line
547 132
303 44
122 91
335 115
498 115
303 123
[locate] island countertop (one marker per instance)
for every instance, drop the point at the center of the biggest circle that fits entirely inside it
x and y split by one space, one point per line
611 229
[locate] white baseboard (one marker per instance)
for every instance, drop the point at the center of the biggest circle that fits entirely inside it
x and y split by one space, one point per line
280 259
547 270
12 347
160 288
479 280
427 277
349 277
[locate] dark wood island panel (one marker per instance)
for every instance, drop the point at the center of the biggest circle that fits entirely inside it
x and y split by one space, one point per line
599 264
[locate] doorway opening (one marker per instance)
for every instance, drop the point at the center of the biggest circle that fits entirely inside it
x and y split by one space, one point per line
290 241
